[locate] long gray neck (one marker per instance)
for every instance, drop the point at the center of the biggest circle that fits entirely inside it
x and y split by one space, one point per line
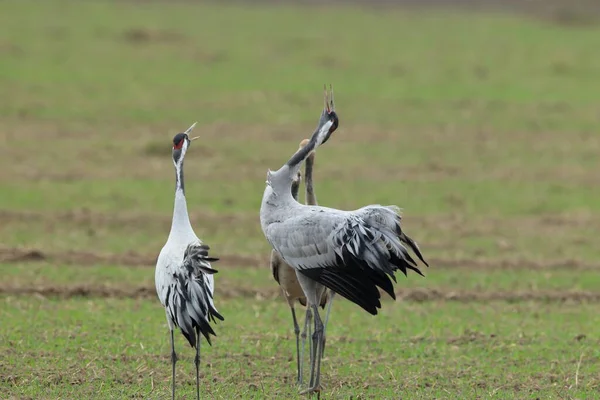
181 221
311 198
301 154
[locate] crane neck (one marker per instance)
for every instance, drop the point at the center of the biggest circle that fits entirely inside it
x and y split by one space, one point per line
301 154
181 220
311 198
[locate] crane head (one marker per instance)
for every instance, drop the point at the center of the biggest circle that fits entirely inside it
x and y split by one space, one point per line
181 142
329 113
329 123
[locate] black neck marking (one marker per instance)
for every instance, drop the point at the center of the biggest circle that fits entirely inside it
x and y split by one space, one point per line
179 185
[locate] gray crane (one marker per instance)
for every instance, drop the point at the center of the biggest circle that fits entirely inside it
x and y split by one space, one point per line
352 253
184 276
286 275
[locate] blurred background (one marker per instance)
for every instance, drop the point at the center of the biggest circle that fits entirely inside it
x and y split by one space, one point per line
478 118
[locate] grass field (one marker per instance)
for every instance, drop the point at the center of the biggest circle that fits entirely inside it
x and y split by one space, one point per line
482 127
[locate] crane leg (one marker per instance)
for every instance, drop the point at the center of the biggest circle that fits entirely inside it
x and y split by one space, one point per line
297 333
173 360
331 295
197 362
317 350
305 334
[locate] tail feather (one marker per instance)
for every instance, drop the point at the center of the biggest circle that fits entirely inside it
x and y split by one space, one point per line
413 246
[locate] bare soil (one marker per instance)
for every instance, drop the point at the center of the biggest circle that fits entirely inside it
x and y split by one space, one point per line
83 258
86 259
418 295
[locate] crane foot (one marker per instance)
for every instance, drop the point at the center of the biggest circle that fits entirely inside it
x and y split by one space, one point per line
316 389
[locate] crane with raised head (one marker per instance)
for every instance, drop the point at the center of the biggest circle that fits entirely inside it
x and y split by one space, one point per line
286 275
352 253
184 275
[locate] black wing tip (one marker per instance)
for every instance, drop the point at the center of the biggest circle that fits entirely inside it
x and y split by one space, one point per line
352 283
200 251
199 319
372 311
203 328
415 248
418 271
191 338
215 314
402 263
209 270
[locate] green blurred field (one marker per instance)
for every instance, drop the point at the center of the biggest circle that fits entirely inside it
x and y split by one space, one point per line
482 127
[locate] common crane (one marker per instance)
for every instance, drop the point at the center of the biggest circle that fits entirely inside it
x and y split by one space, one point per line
353 253
184 276
286 275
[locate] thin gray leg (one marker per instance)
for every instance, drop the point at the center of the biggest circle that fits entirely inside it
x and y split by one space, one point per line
297 333
330 295
317 347
173 360
197 362
305 334
318 344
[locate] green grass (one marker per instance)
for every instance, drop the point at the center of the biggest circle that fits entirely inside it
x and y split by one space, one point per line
115 348
481 126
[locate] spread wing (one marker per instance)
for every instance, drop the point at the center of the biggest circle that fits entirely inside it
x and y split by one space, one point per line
349 252
189 298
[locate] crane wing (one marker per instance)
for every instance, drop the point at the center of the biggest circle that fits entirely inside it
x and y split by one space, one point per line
350 252
189 297
275 263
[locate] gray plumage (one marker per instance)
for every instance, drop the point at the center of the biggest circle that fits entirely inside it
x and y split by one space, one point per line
184 276
189 295
285 275
352 253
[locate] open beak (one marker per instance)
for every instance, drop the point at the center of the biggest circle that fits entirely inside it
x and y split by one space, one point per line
331 104
187 132
328 97
325 98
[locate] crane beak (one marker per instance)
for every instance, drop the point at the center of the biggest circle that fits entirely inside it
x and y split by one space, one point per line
331 104
328 98
187 132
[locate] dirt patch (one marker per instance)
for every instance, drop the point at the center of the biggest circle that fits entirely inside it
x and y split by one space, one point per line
144 35
517 264
102 291
15 255
418 295
466 296
87 217
83 258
